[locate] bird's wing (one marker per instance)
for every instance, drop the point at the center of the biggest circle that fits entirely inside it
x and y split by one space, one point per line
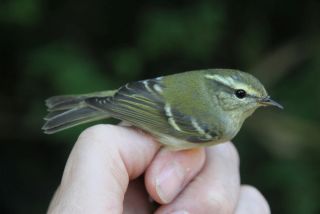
142 104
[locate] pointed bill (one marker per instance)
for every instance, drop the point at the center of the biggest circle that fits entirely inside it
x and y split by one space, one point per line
267 101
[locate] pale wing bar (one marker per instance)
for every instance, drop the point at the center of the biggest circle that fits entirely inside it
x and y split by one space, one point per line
142 103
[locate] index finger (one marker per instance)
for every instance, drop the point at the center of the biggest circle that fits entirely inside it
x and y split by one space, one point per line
99 168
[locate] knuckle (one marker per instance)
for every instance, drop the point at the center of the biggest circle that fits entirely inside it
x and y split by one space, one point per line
97 132
218 203
98 136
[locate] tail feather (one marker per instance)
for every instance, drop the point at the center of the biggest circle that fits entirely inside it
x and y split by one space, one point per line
68 111
63 102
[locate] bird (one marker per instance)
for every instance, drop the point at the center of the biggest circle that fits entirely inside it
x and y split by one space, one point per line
181 111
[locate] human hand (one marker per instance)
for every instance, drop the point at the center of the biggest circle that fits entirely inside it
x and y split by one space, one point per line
103 175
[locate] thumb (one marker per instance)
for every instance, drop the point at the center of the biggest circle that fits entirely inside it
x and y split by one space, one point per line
99 168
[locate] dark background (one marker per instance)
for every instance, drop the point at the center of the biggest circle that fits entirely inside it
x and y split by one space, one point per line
64 47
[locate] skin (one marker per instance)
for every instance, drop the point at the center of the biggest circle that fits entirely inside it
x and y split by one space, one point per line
103 176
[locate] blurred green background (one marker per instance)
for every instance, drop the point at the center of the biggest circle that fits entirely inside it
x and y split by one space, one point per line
55 47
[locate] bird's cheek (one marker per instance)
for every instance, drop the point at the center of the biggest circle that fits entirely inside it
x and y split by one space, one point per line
227 103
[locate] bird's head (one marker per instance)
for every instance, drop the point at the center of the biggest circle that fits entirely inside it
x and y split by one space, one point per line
238 92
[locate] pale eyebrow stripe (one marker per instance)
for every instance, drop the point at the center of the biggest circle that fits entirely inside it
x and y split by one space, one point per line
230 83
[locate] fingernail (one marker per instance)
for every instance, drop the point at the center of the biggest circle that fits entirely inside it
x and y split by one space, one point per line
170 181
180 212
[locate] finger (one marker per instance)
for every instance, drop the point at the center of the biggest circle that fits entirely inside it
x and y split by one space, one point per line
99 167
171 171
251 201
215 189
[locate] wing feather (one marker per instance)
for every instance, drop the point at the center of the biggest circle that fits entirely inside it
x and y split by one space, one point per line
142 104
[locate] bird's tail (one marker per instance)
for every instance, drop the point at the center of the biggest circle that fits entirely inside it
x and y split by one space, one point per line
67 111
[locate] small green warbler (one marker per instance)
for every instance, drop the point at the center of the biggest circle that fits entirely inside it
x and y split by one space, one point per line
182 111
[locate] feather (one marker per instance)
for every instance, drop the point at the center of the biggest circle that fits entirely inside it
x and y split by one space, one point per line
70 110
142 104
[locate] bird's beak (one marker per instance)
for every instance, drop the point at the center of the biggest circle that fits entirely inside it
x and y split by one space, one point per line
267 101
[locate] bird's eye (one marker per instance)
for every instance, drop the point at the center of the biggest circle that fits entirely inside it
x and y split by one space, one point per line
240 93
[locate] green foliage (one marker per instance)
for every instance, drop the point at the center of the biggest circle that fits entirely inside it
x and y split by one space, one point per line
192 32
68 68
127 62
20 12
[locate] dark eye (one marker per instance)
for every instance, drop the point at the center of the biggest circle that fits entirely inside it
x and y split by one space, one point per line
240 93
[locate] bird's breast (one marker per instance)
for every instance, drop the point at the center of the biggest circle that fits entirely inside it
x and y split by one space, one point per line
229 126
